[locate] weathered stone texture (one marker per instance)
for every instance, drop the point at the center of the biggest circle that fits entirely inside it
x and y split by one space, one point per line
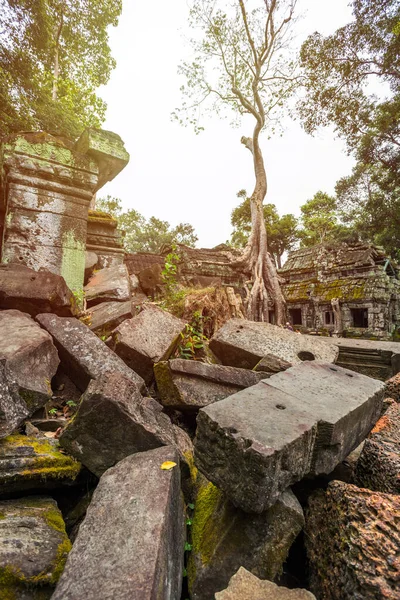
114 421
241 343
272 364
107 285
131 542
83 355
35 292
306 420
91 262
29 463
393 387
378 467
33 548
246 586
13 409
105 317
190 385
353 543
104 238
30 356
225 538
146 339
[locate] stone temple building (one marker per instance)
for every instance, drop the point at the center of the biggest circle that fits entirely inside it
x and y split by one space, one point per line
349 289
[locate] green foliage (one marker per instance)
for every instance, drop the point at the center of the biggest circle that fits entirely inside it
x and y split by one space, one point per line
321 222
282 233
141 235
192 338
170 271
340 69
53 56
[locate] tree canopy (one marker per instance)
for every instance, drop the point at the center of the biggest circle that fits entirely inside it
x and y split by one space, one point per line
282 233
53 56
353 82
146 235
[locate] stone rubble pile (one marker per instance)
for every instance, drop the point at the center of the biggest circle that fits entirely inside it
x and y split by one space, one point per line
159 478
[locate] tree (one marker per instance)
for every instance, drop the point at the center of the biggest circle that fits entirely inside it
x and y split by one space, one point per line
343 71
241 64
141 235
53 56
321 221
282 232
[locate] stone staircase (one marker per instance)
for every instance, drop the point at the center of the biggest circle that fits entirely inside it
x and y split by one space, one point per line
373 362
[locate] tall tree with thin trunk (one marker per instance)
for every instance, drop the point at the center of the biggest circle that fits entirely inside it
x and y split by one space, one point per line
241 62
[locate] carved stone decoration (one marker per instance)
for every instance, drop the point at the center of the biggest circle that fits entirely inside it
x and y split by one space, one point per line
337 315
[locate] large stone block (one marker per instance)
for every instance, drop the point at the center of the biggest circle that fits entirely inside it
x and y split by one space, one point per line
33 548
146 339
378 467
13 409
105 317
83 355
30 356
353 543
35 292
113 421
108 285
225 538
190 385
241 343
30 463
131 542
303 421
245 586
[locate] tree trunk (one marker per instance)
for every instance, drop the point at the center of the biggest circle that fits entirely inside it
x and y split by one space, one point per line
265 294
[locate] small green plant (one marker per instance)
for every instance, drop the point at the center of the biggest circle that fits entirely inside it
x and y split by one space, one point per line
169 272
71 403
53 412
192 338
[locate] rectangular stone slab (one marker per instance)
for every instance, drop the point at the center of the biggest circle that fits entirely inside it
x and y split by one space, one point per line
188 385
83 355
131 543
303 421
241 343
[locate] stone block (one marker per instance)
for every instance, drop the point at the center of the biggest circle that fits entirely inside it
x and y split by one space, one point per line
105 317
146 339
113 420
83 355
30 463
245 586
225 538
13 409
393 387
272 364
241 343
150 279
30 356
91 261
33 548
304 421
131 543
35 292
353 543
378 467
108 285
189 385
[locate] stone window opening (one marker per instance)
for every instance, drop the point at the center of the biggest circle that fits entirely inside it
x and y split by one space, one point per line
328 317
295 316
360 317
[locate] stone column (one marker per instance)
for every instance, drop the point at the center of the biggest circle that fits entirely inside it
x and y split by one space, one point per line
46 185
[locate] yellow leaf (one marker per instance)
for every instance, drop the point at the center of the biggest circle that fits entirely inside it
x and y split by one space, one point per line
167 465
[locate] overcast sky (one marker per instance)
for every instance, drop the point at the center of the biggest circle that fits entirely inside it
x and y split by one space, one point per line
178 176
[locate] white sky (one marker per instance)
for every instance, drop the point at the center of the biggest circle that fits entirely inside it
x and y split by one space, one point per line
178 176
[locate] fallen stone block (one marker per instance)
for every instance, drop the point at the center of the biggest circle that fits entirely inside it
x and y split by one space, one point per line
105 317
146 339
190 385
241 343
13 409
131 543
353 543
225 538
108 285
113 421
35 292
244 585
378 467
33 548
393 387
150 279
31 463
304 421
91 262
83 355
272 364
30 356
